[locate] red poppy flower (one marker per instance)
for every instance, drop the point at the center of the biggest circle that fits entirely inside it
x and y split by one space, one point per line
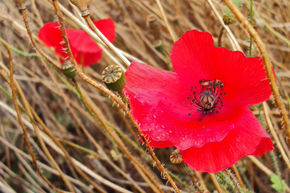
84 49
202 107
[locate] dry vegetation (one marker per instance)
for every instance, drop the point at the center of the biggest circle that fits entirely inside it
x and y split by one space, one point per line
55 115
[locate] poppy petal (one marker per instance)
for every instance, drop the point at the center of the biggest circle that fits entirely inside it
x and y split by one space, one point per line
84 49
50 34
151 93
88 52
245 79
191 56
245 139
107 27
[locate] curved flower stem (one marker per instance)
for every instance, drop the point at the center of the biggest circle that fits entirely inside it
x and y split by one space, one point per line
20 119
173 37
241 18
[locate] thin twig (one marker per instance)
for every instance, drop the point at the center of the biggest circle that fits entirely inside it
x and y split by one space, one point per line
172 34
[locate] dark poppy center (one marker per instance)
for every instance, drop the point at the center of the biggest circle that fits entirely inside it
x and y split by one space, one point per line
209 97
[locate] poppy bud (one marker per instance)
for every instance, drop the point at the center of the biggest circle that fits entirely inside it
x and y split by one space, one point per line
159 46
20 4
68 70
82 5
114 78
228 16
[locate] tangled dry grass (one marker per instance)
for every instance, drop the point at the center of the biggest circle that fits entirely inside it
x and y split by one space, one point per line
75 131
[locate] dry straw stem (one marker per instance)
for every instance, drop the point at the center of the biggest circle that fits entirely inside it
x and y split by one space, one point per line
242 19
111 132
171 32
216 183
61 152
32 113
65 99
144 173
14 98
66 102
98 40
239 177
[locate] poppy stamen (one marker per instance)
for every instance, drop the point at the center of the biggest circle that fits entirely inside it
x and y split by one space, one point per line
209 99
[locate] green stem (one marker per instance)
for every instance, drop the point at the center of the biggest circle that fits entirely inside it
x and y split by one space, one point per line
21 53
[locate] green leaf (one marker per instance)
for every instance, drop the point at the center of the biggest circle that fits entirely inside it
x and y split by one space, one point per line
277 183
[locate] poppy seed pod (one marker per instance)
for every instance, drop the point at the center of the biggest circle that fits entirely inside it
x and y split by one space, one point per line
228 16
114 78
81 4
68 69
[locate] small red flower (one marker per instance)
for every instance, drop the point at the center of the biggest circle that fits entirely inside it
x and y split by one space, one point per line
202 107
84 49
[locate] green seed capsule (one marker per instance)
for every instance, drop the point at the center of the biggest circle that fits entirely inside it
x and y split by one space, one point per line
68 70
114 78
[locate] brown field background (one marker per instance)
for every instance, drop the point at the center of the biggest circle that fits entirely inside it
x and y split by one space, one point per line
48 101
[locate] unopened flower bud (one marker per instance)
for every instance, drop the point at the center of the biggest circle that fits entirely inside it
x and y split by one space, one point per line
82 5
114 78
159 46
228 16
68 70
20 4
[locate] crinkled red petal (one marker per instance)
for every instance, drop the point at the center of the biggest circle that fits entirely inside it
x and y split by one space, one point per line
248 138
192 56
147 88
245 79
